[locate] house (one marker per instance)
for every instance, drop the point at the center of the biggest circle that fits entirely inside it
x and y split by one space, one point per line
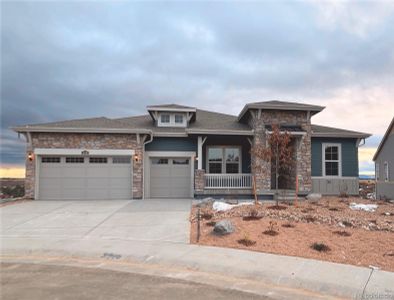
177 151
384 165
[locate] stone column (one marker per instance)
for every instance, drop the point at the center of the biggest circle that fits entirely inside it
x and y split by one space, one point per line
260 169
199 181
30 173
304 155
137 173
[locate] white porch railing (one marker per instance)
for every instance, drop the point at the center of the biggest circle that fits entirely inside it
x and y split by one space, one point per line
228 181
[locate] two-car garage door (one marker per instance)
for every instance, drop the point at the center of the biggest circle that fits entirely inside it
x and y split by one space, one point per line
79 177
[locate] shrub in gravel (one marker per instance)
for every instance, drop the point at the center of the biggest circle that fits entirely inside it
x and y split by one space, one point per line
211 223
342 233
246 241
252 215
321 247
288 225
272 229
310 219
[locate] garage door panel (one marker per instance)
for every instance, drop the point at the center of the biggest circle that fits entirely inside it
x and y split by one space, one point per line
51 172
97 171
119 183
73 183
73 172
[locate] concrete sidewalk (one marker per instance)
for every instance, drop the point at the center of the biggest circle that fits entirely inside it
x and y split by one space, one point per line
322 277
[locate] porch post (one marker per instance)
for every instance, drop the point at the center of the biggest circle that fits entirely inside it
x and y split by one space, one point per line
199 152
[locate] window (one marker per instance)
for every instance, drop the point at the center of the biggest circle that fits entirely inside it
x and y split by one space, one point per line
98 160
121 159
224 160
386 171
50 159
165 118
179 119
232 160
377 171
159 161
74 160
180 161
332 160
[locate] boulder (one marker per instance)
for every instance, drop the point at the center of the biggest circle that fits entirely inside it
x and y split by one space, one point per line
223 227
314 197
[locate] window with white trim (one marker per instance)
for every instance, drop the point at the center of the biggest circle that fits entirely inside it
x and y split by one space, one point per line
332 160
75 160
386 171
165 118
224 160
121 159
179 119
98 160
377 171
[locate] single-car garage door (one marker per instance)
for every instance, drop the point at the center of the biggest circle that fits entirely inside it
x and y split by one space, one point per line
78 177
170 178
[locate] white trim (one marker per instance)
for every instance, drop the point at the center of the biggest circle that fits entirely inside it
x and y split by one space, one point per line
169 109
67 151
377 171
172 122
334 177
170 134
290 132
170 154
324 145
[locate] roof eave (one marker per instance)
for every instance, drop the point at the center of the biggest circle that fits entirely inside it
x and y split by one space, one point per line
220 132
79 130
155 108
313 109
386 134
341 135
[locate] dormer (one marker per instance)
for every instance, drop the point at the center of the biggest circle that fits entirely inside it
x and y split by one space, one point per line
172 115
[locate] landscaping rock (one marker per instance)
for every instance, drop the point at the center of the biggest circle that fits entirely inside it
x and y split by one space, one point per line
314 197
206 202
223 227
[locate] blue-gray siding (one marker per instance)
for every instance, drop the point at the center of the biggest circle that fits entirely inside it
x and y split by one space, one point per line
349 156
386 188
172 144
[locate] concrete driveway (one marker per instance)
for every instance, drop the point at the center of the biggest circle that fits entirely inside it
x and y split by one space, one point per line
143 220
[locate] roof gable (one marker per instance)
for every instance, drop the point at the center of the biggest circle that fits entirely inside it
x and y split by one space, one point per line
385 137
279 105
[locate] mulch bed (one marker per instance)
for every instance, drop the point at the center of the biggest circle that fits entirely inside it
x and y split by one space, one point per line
353 237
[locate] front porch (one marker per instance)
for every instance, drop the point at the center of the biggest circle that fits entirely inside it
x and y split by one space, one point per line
225 168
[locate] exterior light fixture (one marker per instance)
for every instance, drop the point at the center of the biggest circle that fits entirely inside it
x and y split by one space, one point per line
136 158
30 156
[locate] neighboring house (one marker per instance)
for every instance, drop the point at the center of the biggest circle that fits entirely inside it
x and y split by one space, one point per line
384 165
180 151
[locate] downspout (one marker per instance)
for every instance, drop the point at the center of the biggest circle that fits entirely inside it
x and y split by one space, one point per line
143 163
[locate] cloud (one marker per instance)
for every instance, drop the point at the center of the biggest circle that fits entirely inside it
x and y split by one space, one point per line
65 60
355 17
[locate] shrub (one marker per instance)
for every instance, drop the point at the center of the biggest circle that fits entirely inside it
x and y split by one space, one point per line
272 229
342 233
253 215
321 247
288 225
277 207
308 209
246 241
211 223
334 209
206 214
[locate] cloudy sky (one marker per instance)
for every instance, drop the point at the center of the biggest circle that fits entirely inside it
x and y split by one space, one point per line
65 60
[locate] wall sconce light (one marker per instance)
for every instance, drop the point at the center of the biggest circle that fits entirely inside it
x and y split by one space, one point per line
30 156
196 158
136 158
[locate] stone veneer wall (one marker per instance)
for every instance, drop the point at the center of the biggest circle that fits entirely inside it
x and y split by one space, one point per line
199 181
85 141
303 148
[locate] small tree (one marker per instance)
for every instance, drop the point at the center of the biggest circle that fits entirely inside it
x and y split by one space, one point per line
277 150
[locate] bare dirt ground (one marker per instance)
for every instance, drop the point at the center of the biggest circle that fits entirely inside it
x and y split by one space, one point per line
354 237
